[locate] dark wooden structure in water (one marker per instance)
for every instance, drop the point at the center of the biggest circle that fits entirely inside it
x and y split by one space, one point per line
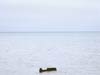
47 70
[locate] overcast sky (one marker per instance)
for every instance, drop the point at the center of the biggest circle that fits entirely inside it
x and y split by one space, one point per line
49 15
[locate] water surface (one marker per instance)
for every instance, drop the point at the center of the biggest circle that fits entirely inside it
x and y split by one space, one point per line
73 53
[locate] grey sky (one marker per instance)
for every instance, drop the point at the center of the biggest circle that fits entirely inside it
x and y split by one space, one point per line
49 15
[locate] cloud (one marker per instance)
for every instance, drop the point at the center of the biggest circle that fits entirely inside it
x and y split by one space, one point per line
52 15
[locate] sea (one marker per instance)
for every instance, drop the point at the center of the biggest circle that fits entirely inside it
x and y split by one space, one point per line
72 53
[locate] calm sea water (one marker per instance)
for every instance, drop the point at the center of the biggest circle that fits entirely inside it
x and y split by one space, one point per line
73 53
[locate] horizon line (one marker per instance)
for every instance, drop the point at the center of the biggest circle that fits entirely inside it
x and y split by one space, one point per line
49 31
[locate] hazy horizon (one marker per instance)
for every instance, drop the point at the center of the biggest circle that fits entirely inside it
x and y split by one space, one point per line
48 31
